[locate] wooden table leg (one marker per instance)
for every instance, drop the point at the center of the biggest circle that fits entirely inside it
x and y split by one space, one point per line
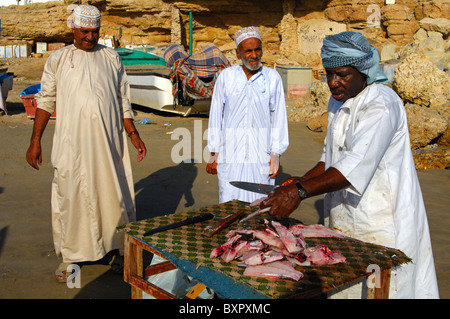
385 280
133 265
133 271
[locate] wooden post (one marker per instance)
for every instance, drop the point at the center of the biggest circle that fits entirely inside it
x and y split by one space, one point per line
385 281
133 265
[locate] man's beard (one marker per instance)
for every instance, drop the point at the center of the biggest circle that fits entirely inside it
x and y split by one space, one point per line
248 65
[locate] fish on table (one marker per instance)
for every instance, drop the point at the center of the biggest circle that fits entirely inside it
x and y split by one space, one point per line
275 250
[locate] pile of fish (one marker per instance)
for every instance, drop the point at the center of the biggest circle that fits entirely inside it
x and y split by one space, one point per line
275 250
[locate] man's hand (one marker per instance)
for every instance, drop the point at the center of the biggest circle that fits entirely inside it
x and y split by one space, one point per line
34 155
274 165
140 146
135 139
211 167
283 200
34 152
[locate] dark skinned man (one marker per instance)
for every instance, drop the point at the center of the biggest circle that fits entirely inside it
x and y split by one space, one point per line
367 172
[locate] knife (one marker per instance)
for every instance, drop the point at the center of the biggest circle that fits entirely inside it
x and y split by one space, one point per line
227 221
254 187
187 221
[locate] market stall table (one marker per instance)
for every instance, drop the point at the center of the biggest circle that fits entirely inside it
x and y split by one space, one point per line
188 248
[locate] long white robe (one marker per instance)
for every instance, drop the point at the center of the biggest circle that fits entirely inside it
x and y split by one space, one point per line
247 123
368 142
92 188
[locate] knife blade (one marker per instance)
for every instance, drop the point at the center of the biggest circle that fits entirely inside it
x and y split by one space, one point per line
254 187
187 221
227 221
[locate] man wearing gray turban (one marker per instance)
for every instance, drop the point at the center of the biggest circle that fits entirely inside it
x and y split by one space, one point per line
367 171
352 48
92 188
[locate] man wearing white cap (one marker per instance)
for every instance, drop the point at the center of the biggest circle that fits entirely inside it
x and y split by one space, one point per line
92 188
247 122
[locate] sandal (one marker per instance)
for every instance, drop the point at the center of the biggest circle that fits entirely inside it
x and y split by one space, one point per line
117 264
61 272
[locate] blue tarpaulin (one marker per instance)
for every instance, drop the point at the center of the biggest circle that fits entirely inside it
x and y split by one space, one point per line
31 90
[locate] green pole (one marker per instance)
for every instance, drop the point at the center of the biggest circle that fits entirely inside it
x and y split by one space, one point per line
190 33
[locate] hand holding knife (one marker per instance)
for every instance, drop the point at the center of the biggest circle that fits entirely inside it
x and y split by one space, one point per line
262 189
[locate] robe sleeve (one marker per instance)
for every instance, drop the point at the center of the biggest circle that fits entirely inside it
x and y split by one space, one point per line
216 115
278 121
371 138
332 107
46 97
323 155
124 96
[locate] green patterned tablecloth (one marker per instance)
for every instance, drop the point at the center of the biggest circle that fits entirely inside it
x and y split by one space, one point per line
190 243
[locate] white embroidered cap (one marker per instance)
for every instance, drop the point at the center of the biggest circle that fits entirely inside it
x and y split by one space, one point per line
86 16
245 33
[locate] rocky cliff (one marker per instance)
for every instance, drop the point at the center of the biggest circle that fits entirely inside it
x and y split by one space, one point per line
292 30
411 35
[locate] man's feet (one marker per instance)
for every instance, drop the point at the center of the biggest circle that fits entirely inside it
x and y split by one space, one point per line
61 272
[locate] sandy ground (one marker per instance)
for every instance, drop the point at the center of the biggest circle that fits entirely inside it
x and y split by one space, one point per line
27 259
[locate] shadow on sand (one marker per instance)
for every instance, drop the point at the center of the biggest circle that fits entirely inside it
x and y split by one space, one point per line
161 192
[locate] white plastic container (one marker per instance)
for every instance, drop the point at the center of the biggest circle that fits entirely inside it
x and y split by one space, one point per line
296 80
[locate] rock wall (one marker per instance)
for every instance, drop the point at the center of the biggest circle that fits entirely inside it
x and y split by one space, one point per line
292 30
417 80
411 35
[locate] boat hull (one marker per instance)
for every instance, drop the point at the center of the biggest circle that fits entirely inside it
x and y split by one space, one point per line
153 89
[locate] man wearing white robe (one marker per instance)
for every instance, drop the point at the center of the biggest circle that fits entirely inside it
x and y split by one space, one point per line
366 171
92 188
247 122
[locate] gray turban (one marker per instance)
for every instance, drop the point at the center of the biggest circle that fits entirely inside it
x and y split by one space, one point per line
352 48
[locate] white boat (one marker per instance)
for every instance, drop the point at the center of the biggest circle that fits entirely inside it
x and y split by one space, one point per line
6 85
150 86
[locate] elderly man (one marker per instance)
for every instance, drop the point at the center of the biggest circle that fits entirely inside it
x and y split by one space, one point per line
367 171
247 123
92 188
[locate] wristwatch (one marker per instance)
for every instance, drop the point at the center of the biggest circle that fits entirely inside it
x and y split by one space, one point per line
301 191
